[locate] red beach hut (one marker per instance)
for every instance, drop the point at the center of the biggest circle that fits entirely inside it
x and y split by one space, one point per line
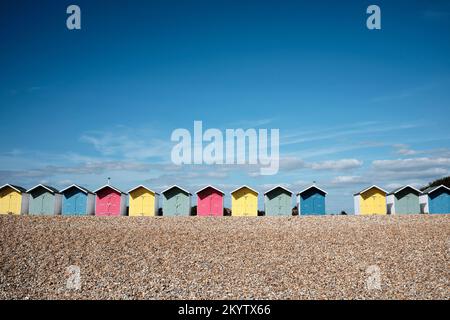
110 201
210 202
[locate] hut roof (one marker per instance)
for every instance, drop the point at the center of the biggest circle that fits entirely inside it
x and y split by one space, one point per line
82 189
373 186
242 187
276 187
109 186
310 187
48 188
209 186
17 188
144 187
404 187
433 189
175 186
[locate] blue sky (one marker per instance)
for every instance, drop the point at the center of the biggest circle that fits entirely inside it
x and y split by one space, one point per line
354 107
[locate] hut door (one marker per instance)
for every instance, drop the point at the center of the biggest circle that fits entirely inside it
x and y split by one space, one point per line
109 204
78 203
142 206
381 205
75 204
41 211
10 203
177 204
245 205
409 204
14 203
145 205
317 204
45 205
209 205
280 206
215 205
373 204
313 204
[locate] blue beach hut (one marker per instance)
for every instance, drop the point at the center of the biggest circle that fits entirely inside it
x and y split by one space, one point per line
77 200
311 201
435 200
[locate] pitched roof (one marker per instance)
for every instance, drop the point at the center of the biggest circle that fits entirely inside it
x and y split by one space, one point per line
433 189
310 187
210 186
144 187
175 186
82 189
404 187
51 189
373 186
17 188
244 186
109 186
276 187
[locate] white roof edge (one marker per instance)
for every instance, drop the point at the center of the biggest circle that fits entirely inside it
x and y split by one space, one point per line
406 186
142 186
212 187
278 186
76 186
40 185
438 187
312 186
176 186
110 186
244 186
373 186
11 186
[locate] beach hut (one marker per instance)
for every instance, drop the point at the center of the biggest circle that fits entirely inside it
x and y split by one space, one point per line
44 200
77 200
244 202
110 201
311 201
210 201
278 202
371 200
404 200
13 200
176 201
142 201
435 200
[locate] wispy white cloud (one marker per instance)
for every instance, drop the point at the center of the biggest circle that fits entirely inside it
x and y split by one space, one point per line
355 131
405 150
125 146
391 174
342 164
291 163
348 180
84 169
411 164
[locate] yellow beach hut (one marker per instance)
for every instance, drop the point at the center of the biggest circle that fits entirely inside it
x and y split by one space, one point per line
244 202
142 202
13 200
371 200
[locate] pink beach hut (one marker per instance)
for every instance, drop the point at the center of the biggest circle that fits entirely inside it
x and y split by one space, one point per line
110 201
210 202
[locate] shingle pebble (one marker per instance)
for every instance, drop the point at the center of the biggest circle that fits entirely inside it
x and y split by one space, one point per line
331 257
